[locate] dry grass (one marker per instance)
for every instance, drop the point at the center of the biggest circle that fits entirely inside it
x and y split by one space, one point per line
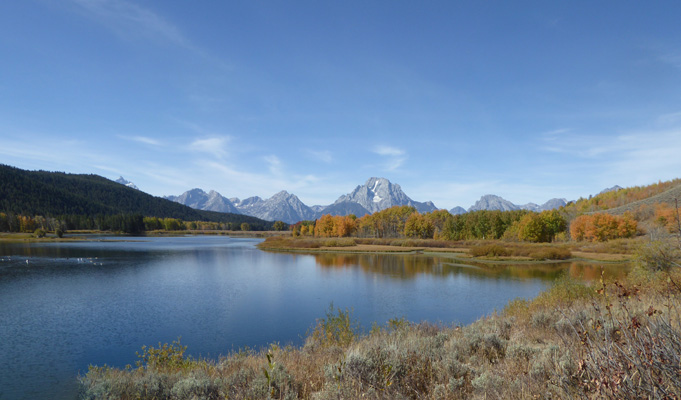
602 256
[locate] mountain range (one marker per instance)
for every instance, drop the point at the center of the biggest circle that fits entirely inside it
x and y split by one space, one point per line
493 202
375 195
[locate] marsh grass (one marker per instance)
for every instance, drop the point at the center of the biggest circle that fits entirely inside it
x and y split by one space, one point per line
513 249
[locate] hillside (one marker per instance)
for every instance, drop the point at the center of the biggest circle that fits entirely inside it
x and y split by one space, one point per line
619 201
665 197
57 193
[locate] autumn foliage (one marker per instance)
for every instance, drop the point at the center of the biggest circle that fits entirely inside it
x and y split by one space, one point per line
601 227
540 227
617 198
666 216
335 226
388 223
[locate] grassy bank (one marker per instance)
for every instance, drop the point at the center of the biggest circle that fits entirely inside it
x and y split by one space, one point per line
615 250
613 339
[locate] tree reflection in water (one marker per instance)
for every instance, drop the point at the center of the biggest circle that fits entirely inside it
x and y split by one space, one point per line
408 266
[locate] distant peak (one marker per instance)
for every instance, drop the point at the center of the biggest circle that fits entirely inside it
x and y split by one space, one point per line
125 182
374 180
612 189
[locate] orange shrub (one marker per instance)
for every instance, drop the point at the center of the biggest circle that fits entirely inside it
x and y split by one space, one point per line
602 227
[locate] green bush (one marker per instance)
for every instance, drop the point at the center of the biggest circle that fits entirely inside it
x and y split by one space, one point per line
164 357
336 329
659 256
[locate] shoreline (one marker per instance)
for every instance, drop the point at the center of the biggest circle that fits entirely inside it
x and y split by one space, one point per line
460 253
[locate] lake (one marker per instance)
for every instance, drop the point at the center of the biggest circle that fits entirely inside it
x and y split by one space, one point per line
70 304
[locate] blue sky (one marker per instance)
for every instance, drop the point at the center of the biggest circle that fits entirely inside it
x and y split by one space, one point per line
452 100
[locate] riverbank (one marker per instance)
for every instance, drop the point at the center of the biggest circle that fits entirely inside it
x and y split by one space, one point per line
492 250
612 339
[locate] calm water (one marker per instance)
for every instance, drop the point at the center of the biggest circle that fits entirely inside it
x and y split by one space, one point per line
75 304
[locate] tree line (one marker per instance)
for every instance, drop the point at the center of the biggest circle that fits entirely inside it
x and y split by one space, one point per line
125 223
517 225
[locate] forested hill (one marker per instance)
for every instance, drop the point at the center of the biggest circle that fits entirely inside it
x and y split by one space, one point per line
57 193
629 199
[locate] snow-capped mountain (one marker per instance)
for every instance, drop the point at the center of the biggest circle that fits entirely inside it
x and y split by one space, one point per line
375 195
493 202
129 184
200 200
283 206
378 194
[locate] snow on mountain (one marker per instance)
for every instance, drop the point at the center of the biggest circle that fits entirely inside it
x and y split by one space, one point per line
375 195
493 202
283 206
378 194
317 208
127 183
246 203
200 200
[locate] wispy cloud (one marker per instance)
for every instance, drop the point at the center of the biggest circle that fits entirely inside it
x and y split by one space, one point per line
394 157
669 119
321 155
239 181
141 139
556 132
215 146
578 145
127 18
637 157
671 58
388 151
274 164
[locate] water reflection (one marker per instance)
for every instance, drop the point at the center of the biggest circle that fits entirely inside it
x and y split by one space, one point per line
409 266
